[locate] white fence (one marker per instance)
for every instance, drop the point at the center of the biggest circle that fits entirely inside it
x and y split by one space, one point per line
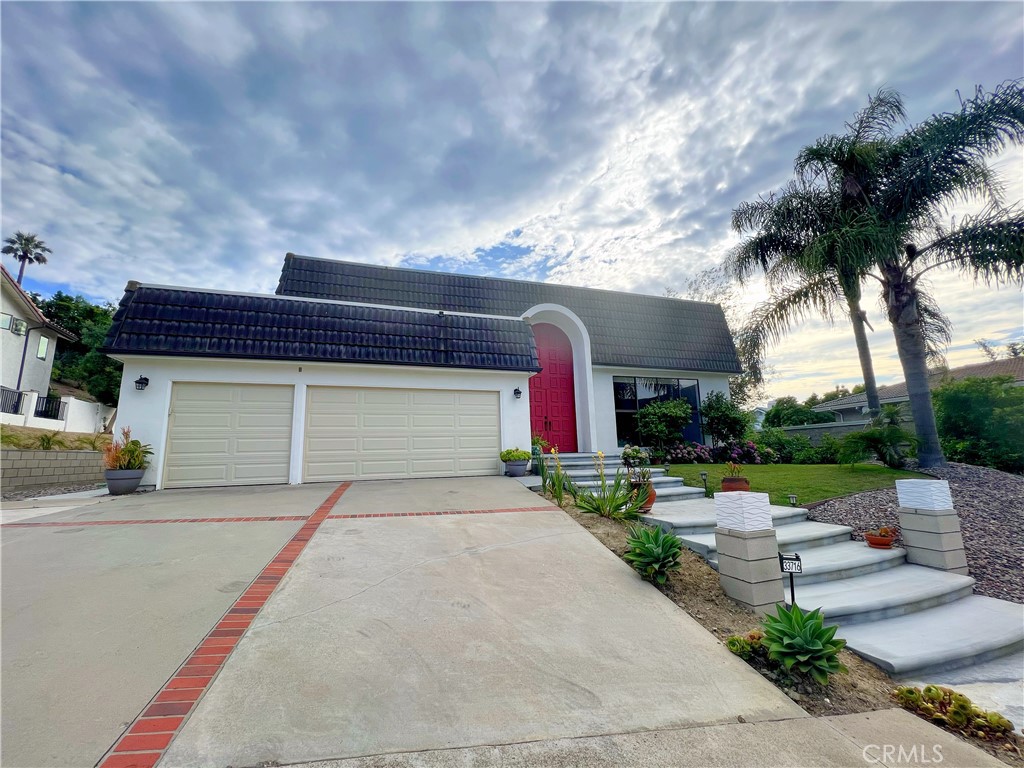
68 415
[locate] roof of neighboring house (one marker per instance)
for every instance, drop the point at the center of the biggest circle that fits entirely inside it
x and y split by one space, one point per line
626 329
896 393
32 310
184 322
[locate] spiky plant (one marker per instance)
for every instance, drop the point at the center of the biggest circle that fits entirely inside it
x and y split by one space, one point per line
802 643
653 553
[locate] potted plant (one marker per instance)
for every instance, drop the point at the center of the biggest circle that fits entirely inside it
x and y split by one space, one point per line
881 538
515 460
642 479
538 444
125 461
734 481
633 457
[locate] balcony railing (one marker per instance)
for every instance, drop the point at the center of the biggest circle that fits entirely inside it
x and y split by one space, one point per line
50 408
11 400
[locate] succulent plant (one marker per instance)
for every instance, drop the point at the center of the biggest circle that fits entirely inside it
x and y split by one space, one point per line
802 643
946 707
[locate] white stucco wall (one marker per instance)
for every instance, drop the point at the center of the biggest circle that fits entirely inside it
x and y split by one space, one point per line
146 411
36 376
604 395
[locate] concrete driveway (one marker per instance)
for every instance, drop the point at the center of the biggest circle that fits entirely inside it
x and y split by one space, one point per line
294 624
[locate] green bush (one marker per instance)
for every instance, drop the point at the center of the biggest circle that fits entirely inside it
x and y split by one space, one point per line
618 500
802 643
828 449
787 412
661 423
786 447
50 441
514 454
653 553
885 443
981 421
724 422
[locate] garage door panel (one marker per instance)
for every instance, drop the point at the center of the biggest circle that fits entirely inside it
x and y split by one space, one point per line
375 434
224 434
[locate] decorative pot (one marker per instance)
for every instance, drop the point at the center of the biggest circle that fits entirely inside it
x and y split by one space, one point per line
122 481
735 484
651 496
879 542
516 468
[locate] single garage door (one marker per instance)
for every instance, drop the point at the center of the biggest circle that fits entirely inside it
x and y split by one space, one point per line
392 433
228 434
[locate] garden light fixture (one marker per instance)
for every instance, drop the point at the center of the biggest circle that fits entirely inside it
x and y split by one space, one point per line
704 478
792 499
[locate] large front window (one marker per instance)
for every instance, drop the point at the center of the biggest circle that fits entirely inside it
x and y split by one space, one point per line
634 392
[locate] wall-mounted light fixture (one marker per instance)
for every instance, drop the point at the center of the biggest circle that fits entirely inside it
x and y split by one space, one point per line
517 392
142 382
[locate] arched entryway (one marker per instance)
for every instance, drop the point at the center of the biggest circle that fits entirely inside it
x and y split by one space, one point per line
553 390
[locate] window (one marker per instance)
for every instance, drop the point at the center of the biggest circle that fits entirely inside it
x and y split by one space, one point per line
5 321
633 393
19 327
44 345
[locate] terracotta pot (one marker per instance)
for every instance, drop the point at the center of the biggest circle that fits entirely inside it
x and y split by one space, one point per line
651 496
879 542
735 484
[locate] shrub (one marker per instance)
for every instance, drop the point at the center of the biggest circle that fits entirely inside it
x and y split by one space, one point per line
653 552
690 453
127 453
980 421
556 481
884 443
828 449
514 454
785 447
661 423
743 452
619 500
50 441
724 422
802 643
787 412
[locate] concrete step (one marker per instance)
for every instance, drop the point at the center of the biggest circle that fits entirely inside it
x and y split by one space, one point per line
792 538
698 516
899 591
591 474
846 560
969 631
658 481
674 493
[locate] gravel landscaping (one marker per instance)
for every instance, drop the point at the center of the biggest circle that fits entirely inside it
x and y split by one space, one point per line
31 493
990 504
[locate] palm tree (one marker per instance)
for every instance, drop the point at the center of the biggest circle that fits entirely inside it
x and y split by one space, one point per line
805 243
900 186
28 249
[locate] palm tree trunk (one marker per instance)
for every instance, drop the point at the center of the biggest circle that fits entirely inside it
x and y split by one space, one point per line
864 353
901 303
21 270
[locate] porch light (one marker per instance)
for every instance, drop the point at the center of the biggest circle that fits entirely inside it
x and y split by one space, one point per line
792 499
141 383
517 392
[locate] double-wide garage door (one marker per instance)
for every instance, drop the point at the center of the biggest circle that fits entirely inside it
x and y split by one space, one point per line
240 434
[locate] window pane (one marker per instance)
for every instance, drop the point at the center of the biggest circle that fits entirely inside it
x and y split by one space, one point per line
625 428
625 393
688 389
44 344
19 327
5 320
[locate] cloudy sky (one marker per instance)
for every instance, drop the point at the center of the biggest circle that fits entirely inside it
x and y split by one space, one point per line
591 144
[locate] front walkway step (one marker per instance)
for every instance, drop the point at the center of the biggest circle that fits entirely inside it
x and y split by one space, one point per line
893 592
967 632
698 515
792 538
657 480
591 474
846 560
673 493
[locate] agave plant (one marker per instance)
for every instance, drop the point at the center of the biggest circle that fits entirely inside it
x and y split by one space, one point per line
653 552
801 642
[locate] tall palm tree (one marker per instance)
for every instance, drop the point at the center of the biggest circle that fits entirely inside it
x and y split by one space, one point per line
28 249
805 242
901 186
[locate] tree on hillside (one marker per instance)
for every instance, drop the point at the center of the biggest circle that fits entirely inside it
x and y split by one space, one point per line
787 412
905 184
27 249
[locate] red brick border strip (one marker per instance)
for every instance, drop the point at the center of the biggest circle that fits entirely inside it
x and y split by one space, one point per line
143 744
363 516
69 523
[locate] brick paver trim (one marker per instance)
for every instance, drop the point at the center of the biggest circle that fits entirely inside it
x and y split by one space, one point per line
69 523
365 515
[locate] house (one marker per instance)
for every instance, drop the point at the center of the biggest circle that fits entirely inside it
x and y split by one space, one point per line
354 371
28 341
854 407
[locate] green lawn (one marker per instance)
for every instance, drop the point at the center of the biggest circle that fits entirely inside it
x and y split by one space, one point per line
810 482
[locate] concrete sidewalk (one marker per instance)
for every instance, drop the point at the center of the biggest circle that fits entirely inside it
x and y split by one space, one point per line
890 738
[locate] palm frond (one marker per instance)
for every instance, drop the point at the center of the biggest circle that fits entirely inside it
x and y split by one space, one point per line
989 246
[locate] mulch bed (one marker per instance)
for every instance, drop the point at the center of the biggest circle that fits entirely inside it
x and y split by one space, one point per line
990 504
695 588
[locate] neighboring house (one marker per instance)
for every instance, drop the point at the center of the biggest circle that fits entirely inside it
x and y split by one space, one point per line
758 413
28 341
355 371
854 407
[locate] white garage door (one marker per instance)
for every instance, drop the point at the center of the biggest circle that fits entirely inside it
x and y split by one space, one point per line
228 434
393 433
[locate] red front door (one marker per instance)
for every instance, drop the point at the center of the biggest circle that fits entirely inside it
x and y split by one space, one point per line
552 391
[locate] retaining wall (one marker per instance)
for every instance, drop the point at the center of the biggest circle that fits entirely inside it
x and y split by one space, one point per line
836 428
49 469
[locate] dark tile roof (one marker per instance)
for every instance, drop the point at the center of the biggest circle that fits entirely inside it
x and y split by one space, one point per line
626 329
156 320
895 393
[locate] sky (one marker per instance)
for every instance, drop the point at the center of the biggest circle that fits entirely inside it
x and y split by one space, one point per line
590 144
